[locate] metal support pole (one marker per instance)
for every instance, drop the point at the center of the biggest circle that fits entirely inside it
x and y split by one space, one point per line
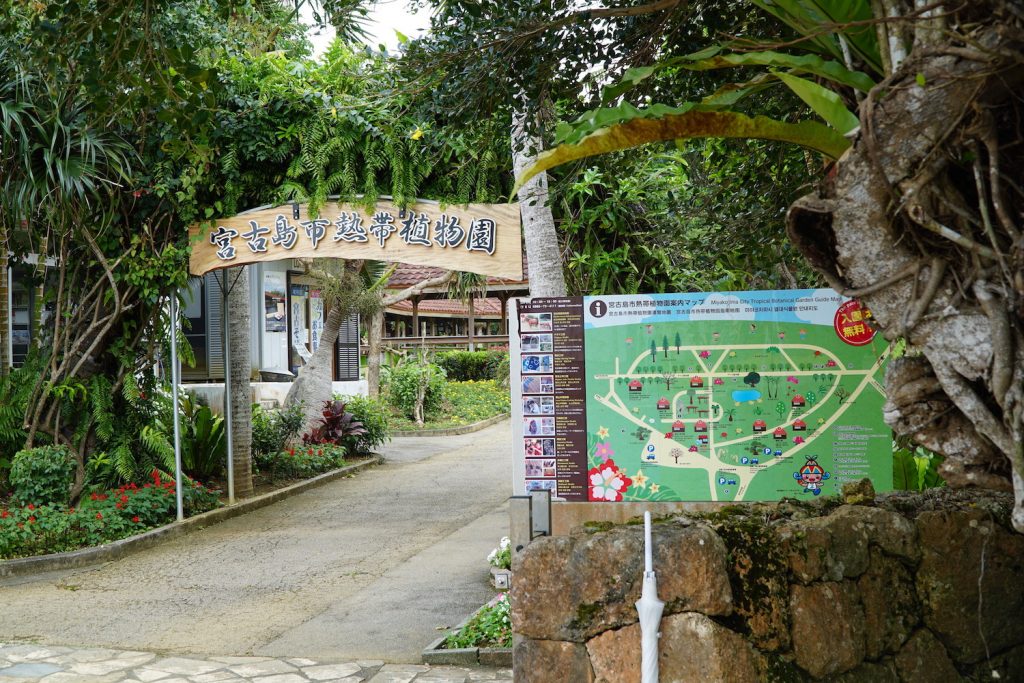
520 522
540 513
174 401
226 322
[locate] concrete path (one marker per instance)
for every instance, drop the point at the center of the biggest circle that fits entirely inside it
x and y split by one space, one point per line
368 568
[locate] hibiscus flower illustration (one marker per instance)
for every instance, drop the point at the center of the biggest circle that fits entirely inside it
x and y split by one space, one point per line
604 451
607 483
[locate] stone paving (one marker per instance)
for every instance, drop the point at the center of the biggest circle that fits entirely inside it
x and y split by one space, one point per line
29 663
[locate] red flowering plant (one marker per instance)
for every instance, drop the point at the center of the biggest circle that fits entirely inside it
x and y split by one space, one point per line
301 462
100 517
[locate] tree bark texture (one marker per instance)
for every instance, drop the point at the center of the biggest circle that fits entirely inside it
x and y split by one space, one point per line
543 257
314 383
921 221
240 372
374 331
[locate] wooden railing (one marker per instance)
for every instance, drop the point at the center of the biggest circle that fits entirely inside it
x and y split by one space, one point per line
480 341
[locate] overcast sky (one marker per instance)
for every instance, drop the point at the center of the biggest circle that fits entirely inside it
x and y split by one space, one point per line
386 17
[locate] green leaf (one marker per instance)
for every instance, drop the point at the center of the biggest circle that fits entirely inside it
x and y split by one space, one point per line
823 101
661 123
808 17
711 58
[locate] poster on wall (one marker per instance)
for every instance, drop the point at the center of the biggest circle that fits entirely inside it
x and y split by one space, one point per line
274 306
316 318
732 396
299 354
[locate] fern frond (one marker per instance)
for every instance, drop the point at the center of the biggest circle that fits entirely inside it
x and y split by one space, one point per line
124 462
103 406
130 389
156 444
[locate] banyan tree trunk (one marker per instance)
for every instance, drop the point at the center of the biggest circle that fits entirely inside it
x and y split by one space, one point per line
922 221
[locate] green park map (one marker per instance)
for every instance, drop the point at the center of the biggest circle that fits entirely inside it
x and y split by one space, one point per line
734 396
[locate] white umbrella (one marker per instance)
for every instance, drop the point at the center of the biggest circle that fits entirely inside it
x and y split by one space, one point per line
649 607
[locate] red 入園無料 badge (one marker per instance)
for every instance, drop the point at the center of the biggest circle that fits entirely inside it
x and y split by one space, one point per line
851 323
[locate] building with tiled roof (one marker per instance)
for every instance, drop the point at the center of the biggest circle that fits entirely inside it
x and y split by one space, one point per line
432 314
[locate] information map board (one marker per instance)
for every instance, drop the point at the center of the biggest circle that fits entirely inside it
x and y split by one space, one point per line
737 396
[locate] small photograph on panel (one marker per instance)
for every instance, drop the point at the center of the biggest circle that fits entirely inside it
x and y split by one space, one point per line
535 385
538 426
547 405
530 343
535 322
535 469
534 448
547 426
542 485
532 404
538 363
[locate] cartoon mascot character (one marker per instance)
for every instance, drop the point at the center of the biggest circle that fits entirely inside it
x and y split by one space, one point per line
811 475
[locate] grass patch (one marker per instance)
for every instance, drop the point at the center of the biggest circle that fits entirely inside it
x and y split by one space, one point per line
464 403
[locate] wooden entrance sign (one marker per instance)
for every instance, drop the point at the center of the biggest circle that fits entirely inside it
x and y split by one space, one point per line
476 238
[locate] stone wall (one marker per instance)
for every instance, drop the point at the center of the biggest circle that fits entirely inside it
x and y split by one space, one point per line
925 588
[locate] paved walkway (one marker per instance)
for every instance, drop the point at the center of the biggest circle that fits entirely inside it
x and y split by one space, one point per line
366 569
29 663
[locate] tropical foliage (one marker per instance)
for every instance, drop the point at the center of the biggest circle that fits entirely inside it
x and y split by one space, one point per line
103 516
373 414
274 429
415 387
336 426
146 118
462 403
301 462
491 626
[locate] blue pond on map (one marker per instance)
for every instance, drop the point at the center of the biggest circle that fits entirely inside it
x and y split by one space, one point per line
744 395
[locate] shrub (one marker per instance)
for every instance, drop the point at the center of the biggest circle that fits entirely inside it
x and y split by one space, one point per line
466 366
460 366
42 476
501 371
416 387
337 426
374 416
101 517
272 430
301 463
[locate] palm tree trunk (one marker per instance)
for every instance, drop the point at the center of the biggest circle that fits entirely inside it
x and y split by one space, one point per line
373 351
543 257
240 372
